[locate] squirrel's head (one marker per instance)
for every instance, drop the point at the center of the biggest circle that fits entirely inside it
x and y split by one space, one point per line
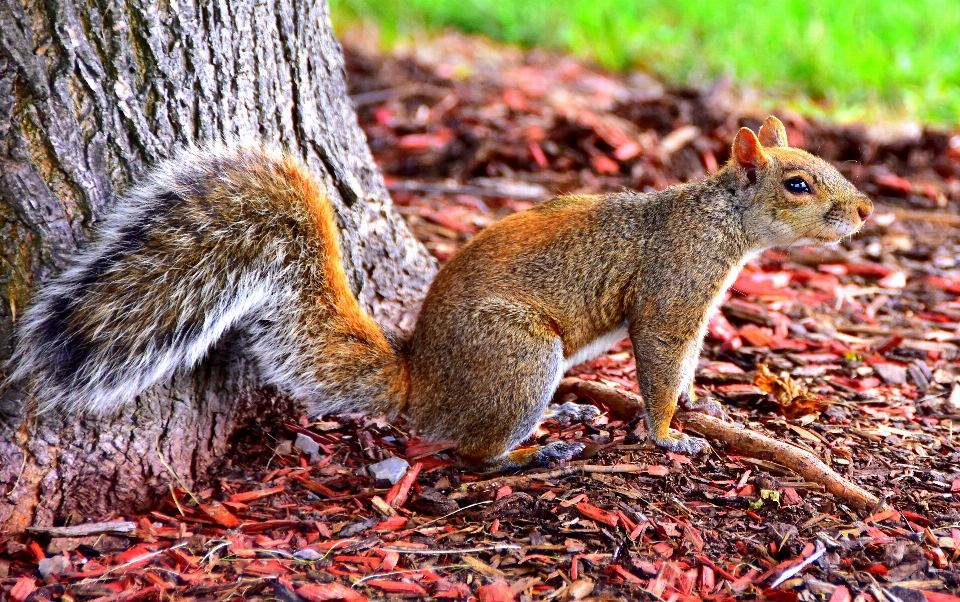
790 195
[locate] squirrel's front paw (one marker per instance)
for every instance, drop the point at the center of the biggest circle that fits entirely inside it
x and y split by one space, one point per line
680 443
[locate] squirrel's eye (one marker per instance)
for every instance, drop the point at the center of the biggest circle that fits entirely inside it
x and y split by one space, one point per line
797 185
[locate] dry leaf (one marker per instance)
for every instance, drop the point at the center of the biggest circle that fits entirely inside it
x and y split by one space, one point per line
794 400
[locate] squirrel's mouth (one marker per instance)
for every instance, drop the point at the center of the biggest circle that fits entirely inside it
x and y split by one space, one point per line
821 237
829 238
836 230
831 241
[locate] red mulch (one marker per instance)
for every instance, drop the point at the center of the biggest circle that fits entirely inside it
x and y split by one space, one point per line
850 352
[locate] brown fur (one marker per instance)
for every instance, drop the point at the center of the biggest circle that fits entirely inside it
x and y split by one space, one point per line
540 285
505 314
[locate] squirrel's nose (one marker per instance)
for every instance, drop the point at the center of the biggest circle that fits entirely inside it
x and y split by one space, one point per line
864 209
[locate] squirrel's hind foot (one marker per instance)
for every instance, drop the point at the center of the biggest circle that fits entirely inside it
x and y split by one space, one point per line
571 412
553 452
530 457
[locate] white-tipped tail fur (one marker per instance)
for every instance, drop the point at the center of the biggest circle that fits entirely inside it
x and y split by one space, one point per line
221 237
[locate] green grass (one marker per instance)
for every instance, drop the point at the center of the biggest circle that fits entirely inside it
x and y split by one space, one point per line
849 59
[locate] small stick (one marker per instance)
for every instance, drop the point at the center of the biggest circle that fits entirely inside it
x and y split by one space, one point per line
410 186
793 570
524 480
452 551
920 215
117 527
397 496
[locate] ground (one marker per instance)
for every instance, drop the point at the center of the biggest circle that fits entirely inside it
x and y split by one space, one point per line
849 352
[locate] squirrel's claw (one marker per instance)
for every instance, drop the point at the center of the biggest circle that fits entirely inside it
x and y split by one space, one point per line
680 443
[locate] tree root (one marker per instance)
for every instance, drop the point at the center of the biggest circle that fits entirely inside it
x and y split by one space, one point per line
628 405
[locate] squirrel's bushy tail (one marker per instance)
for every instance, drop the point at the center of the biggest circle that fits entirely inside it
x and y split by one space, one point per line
221 237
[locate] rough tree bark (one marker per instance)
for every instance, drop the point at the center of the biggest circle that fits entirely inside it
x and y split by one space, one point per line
91 94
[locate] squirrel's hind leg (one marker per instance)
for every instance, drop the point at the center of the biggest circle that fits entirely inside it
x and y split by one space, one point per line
487 384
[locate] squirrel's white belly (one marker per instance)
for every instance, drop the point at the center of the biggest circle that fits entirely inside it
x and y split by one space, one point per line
596 347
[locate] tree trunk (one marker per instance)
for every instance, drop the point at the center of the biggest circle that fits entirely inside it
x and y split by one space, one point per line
92 94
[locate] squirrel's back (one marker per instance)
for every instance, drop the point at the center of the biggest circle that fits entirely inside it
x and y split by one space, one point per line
221 236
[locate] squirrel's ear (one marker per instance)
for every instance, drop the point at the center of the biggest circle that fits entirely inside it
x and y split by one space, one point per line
747 150
772 133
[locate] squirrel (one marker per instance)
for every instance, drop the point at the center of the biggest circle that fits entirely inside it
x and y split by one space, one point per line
242 237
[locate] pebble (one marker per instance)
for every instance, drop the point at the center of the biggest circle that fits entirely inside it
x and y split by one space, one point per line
308 554
306 444
55 565
389 471
891 374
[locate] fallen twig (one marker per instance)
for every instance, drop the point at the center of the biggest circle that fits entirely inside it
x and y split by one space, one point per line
408 572
411 186
920 215
524 480
380 96
452 551
115 527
